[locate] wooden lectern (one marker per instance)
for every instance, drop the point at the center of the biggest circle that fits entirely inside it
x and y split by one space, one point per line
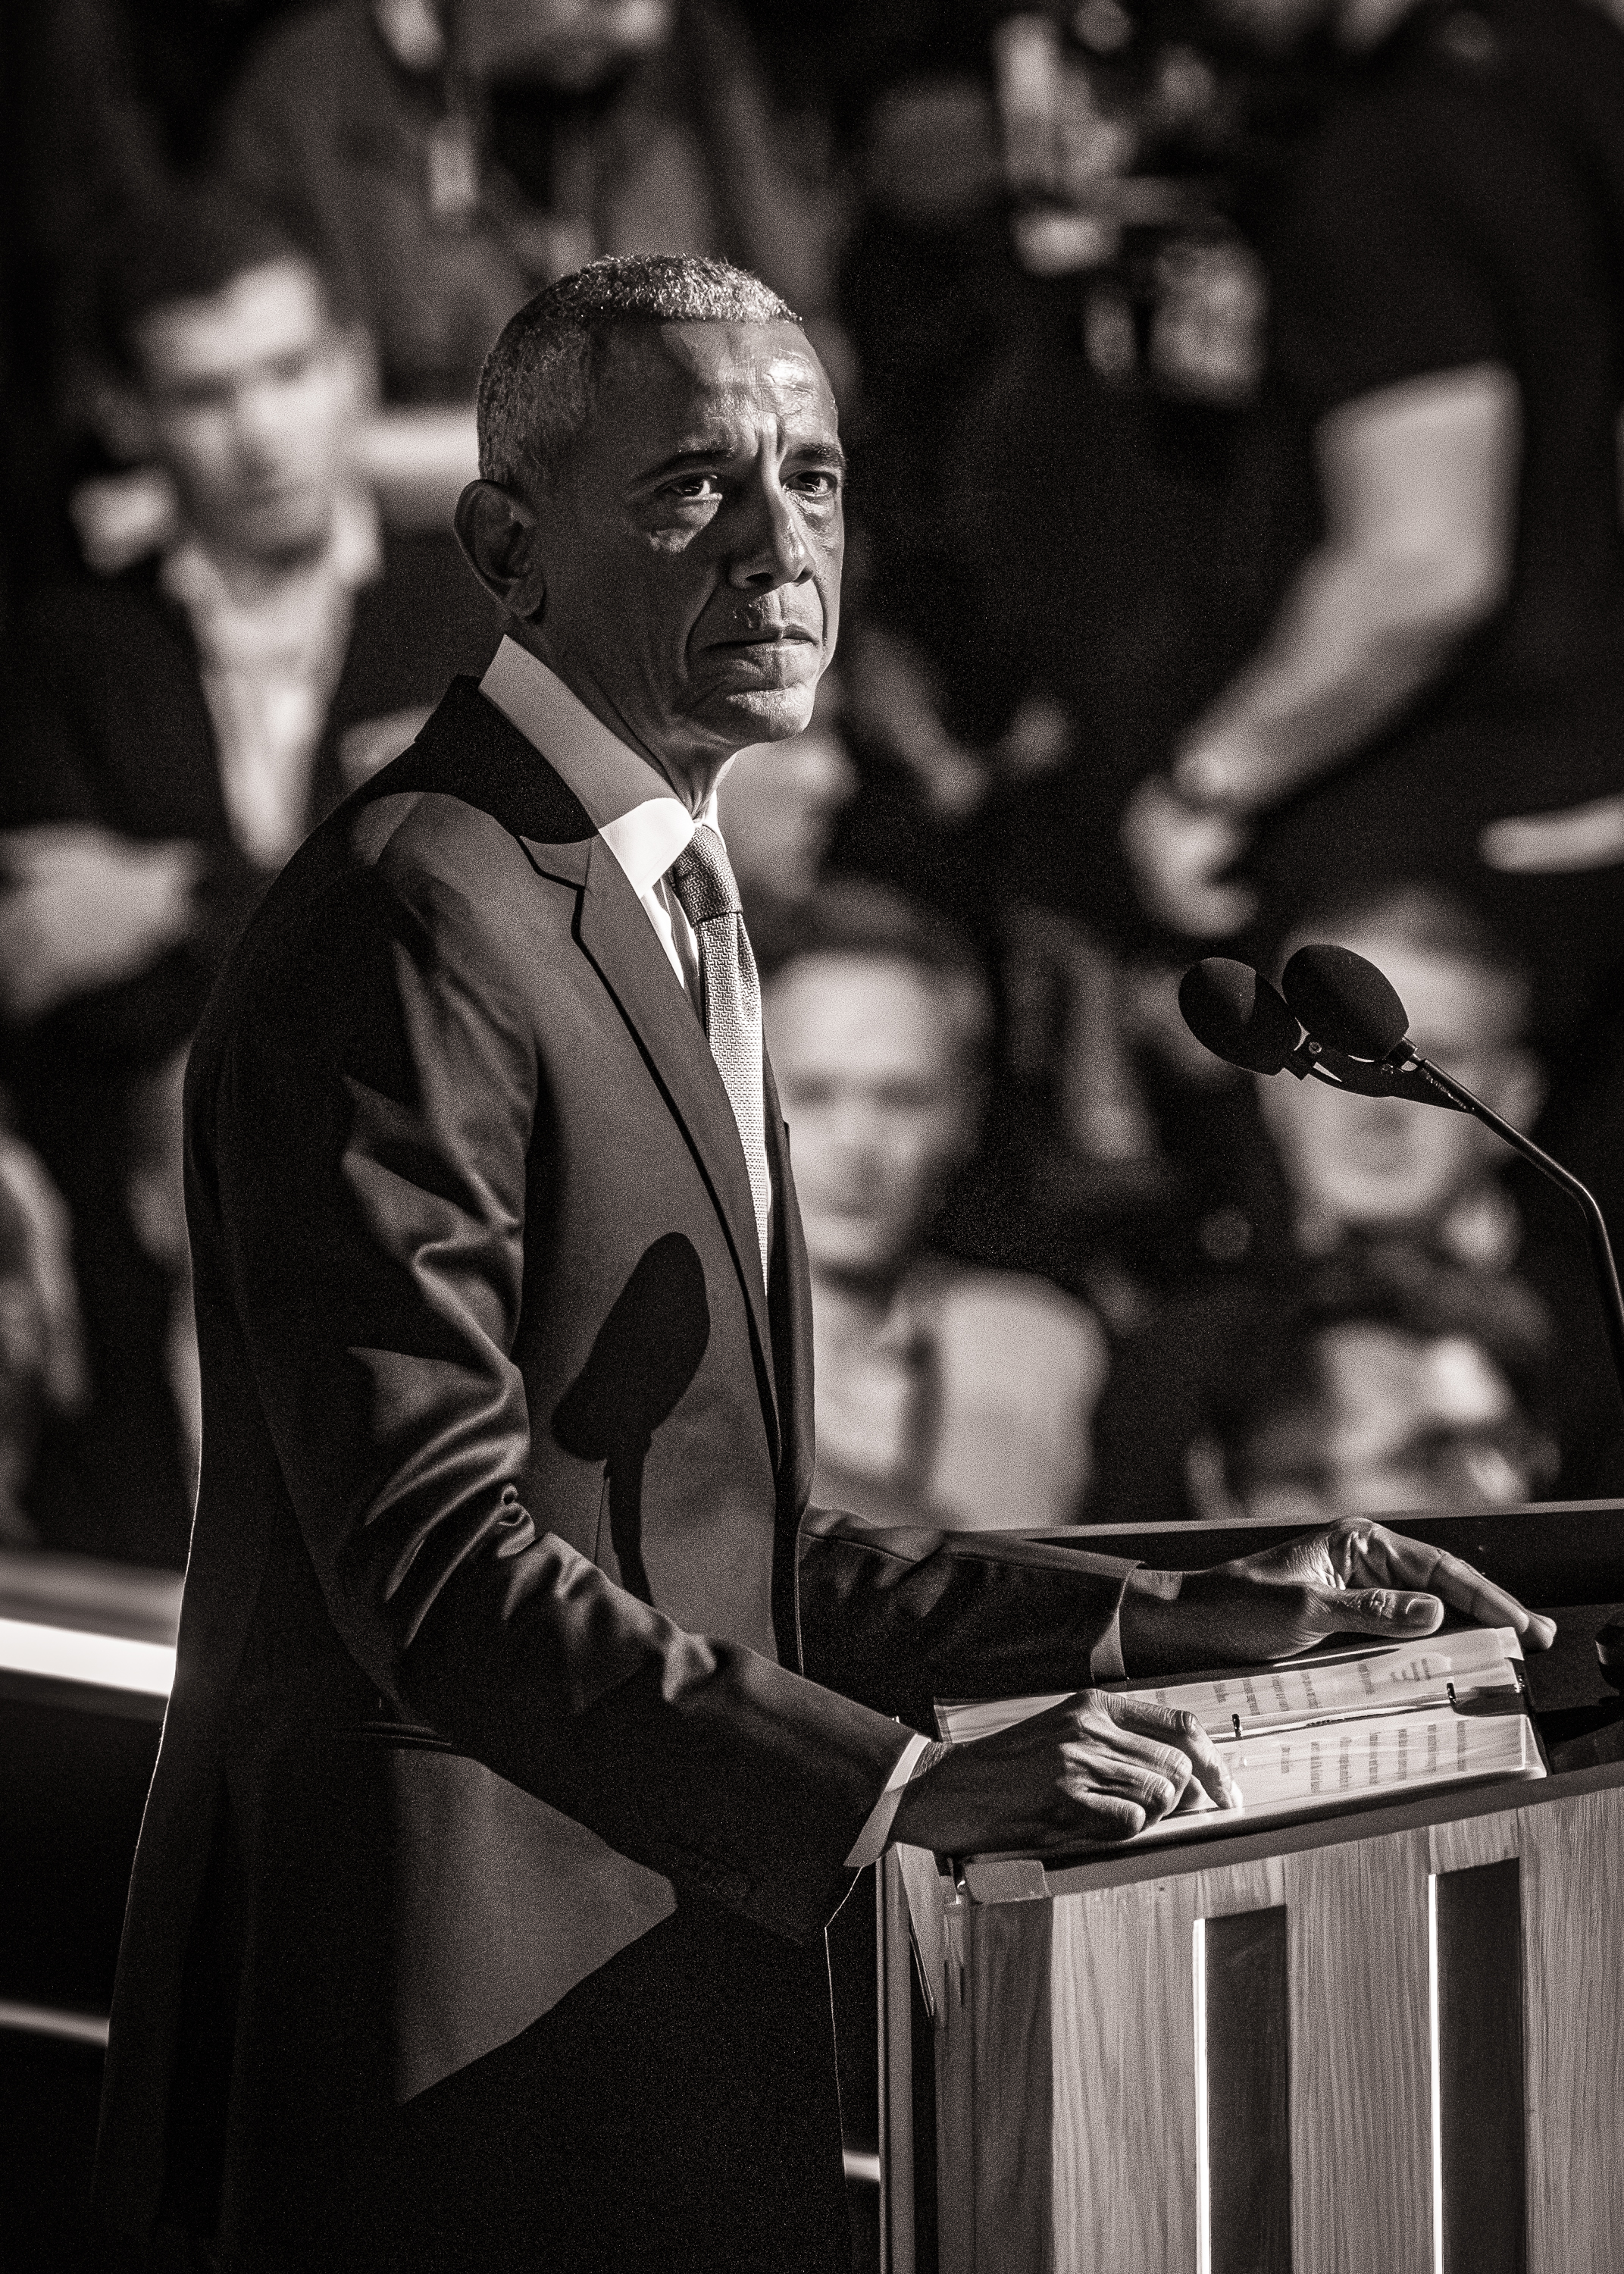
1388 2042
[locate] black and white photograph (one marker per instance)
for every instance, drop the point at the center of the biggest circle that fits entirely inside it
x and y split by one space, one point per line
811 1123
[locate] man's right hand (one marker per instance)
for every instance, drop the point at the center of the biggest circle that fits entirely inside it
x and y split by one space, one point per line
81 908
1098 1766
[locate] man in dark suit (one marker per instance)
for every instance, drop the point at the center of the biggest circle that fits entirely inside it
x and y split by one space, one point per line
476 1915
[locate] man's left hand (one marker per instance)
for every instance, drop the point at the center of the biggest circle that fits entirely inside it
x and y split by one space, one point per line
1356 1577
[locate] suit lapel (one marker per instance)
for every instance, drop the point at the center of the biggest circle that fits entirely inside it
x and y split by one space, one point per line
615 933
469 750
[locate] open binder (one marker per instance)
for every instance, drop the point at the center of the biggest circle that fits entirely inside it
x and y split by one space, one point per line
1330 1732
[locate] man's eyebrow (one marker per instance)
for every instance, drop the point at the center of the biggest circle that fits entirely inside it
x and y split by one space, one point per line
686 462
819 453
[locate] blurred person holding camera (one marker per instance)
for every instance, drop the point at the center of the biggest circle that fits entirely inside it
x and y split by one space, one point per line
448 158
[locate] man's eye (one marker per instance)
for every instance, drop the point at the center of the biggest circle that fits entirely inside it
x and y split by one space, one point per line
687 486
816 482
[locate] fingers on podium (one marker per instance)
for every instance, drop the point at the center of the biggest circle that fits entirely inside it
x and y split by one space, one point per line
1148 1718
1413 1563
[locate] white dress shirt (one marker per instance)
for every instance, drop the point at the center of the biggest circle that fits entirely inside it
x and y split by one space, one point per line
645 825
271 647
634 809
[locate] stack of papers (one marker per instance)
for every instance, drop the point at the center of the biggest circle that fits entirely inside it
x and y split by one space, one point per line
1310 1735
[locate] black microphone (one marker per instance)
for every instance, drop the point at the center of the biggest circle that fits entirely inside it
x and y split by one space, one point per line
1234 1011
1345 1002
1353 1011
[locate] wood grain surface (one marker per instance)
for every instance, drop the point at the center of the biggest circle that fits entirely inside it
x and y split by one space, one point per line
961 2119
999 2180
1066 2046
1361 2077
1573 1953
1124 2039
1478 1840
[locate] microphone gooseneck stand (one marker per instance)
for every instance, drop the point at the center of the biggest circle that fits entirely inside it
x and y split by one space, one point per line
1602 1260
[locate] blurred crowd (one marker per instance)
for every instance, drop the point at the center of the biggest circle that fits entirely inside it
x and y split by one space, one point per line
1232 390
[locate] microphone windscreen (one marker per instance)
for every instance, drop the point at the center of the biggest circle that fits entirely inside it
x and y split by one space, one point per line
1236 1013
1345 1002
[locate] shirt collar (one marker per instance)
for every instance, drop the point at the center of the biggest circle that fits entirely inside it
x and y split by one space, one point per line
352 557
637 814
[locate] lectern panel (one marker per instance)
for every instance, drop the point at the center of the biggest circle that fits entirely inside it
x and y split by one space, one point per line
1481 2132
1573 1948
1005 2062
1361 2072
1124 2034
1068 2071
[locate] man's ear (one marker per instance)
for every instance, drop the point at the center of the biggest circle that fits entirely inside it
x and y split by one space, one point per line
500 533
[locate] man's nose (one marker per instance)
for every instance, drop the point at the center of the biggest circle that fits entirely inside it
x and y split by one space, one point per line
771 549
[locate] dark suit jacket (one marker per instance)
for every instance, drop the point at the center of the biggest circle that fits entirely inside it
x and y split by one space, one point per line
489 1682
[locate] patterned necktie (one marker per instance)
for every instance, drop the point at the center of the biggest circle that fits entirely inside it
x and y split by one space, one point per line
702 879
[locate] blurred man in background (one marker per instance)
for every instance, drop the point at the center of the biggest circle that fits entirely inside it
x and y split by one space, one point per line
944 1393
172 733
1396 1383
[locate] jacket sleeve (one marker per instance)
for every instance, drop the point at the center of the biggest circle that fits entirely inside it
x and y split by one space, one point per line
899 1617
363 1146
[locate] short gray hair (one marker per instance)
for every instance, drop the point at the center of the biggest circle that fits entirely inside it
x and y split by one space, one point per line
537 386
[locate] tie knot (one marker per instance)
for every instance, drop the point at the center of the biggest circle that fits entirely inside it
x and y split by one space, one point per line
702 877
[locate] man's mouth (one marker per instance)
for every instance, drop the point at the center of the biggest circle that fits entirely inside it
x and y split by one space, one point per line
773 636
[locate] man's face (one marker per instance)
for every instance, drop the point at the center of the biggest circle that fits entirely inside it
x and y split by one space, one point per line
248 397
692 541
1385 1163
877 1095
1406 1421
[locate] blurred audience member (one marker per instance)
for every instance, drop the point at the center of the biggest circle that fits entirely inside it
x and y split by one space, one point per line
446 163
1441 691
780 802
43 1377
172 733
1334 1178
944 1393
1397 1384
1382 1167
